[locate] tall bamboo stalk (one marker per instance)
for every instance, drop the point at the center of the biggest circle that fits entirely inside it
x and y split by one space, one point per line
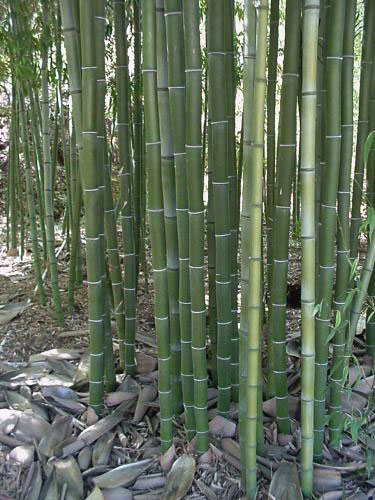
248 92
220 191
177 92
69 19
253 169
307 163
93 201
127 217
330 176
271 156
363 118
156 219
370 197
195 175
343 227
137 126
48 198
30 198
232 179
107 232
285 171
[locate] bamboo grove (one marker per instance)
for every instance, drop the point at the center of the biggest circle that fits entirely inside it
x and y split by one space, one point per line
183 149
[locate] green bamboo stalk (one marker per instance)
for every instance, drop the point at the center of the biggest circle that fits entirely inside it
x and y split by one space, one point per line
370 196
211 244
156 219
195 175
36 152
307 168
70 30
232 179
321 121
107 234
253 169
343 228
110 229
127 217
271 157
30 198
12 169
248 92
137 133
286 165
177 92
360 295
328 219
170 223
220 194
93 201
363 118
48 198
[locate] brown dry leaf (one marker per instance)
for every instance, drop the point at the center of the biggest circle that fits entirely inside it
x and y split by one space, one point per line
23 454
327 479
11 310
69 473
33 484
353 402
145 363
332 495
118 397
146 396
123 475
30 427
96 494
149 482
205 490
84 458
69 354
269 407
102 449
60 430
82 373
180 478
285 483
50 490
167 459
366 385
222 427
90 416
117 494
232 447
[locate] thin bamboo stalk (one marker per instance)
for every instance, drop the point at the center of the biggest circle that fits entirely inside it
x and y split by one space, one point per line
328 218
195 176
48 198
285 171
220 195
363 119
343 228
156 219
30 198
271 157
